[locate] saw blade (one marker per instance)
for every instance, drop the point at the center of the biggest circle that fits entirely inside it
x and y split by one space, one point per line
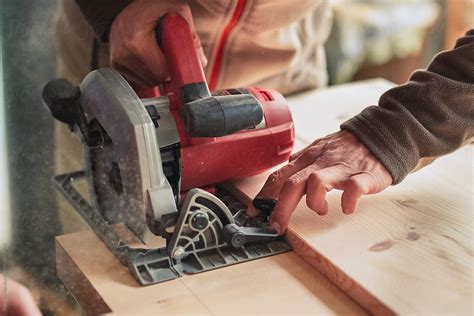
124 166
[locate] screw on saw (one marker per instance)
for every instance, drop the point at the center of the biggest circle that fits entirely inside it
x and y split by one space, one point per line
266 206
199 220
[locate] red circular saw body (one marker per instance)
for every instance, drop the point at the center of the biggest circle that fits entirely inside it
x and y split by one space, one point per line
207 161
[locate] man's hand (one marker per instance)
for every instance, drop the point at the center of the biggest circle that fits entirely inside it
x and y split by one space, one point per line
338 161
16 300
134 51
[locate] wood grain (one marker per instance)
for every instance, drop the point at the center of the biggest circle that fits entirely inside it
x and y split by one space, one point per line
284 284
407 250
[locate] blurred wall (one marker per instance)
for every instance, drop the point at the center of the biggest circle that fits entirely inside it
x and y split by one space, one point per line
29 62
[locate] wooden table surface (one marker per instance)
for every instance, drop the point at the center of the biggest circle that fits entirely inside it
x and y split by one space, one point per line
407 250
282 284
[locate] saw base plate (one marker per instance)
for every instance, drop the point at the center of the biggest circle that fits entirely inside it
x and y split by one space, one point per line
190 251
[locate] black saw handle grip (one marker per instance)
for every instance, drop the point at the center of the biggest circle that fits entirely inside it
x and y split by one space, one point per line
221 115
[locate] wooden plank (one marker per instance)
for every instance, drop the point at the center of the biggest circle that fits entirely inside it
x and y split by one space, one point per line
282 284
407 250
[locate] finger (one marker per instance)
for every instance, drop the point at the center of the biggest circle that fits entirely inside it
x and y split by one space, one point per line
354 188
276 180
320 142
152 62
252 210
302 151
20 301
140 59
316 194
319 183
291 193
131 75
297 154
150 75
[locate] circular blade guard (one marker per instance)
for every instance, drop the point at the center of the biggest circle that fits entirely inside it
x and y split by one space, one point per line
125 172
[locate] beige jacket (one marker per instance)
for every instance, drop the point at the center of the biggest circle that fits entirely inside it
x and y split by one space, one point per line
274 44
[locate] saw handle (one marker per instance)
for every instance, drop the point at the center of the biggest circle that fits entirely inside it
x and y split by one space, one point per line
176 41
203 115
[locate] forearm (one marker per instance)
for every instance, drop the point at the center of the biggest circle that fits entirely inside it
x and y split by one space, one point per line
101 13
429 116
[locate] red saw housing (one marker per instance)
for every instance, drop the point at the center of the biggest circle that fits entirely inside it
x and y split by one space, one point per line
211 160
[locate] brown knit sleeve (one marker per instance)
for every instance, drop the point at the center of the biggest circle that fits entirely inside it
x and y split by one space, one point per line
101 13
429 116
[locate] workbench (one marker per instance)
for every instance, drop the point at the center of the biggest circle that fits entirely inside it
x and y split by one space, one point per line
407 250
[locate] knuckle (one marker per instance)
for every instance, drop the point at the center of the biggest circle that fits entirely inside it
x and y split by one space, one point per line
331 142
310 154
134 43
330 154
313 151
355 185
344 165
275 176
316 178
305 155
293 181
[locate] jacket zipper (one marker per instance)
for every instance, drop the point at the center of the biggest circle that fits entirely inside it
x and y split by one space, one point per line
216 67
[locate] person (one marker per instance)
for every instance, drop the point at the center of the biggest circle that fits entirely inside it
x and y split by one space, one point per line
279 45
15 299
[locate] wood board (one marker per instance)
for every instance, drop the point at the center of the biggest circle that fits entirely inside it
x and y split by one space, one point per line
407 250
283 284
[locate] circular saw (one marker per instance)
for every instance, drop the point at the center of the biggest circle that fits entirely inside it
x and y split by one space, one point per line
154 159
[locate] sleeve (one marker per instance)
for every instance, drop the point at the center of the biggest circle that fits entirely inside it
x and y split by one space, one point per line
101 13
429 116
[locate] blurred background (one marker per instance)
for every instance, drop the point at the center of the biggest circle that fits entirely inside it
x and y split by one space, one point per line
369 38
